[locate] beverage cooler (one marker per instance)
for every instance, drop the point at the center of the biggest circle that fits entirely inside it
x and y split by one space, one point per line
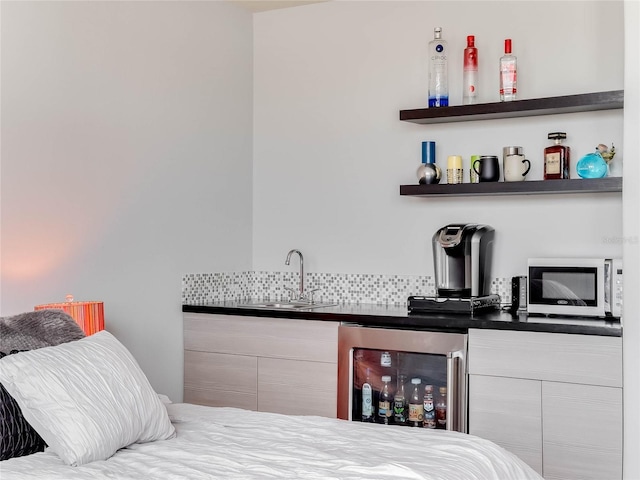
402 377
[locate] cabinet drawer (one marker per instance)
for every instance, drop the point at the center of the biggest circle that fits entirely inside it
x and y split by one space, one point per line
296 387
220 380
586 359
263 337
508 411
582 431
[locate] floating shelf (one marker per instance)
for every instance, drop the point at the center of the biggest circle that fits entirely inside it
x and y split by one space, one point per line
583 185
587 102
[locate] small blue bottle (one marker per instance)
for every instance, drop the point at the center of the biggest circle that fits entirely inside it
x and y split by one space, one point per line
592 165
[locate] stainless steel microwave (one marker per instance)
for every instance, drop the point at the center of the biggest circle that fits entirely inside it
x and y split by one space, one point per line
589 287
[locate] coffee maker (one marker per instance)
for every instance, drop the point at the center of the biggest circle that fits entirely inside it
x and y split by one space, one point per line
462 260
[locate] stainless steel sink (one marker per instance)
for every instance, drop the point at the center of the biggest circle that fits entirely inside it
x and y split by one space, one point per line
285 305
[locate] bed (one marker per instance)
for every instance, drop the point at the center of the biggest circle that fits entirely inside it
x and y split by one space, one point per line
91 404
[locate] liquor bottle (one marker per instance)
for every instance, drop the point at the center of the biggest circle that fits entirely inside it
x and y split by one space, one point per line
508 74
438 70
367 400
429 408
385 409
441 408
400 403
557 157
416 406
470 72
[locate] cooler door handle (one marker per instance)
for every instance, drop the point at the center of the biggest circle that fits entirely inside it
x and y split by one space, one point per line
456 393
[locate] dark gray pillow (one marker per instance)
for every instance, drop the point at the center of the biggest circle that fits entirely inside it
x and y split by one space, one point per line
17 437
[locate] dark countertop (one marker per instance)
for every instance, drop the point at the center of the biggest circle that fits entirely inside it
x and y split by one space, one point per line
398 317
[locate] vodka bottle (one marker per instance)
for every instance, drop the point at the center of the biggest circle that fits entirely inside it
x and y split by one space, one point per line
508 74
438 71
470 72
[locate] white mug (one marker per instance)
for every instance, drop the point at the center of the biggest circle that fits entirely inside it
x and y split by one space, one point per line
515 168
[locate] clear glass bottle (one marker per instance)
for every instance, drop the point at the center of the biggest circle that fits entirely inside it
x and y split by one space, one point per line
400 403
508 74
429 420
385 402
470 72
441 408
367 400
557 158
416 405
438 70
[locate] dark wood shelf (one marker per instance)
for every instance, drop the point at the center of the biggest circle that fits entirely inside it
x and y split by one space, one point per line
582 185
587 102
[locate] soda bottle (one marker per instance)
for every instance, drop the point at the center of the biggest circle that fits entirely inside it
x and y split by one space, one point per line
400 403
385 409
429 408
367 400
416 406
441 409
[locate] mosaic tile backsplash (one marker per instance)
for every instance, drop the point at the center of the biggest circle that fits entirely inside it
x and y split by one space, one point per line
202 288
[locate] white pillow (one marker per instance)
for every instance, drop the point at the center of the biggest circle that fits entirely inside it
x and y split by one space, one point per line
86 398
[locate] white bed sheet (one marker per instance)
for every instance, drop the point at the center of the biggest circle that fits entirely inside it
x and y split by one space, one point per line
229 443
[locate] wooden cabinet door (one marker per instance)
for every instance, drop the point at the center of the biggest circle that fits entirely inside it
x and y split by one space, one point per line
221 380
582 431
508 412
297 387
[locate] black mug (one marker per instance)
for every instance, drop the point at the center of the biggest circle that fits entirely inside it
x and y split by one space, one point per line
487 167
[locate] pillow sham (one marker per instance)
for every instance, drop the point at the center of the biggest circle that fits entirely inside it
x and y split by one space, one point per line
87 398
17 437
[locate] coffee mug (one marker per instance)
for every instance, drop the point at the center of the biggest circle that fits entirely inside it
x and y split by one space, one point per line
516 168
487 167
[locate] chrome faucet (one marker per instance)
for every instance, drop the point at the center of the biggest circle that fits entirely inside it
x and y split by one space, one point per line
288 261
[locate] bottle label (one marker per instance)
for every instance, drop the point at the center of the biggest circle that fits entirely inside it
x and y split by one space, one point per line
552 163
441 417
367 409
399 413
428 406
384 408
385 359
416 412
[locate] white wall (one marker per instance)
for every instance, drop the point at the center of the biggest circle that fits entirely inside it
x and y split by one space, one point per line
631 238
126 160
330 152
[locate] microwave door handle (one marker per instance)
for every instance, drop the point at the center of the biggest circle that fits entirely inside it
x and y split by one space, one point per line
456 395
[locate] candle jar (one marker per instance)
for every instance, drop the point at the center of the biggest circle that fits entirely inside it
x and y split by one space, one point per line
454 169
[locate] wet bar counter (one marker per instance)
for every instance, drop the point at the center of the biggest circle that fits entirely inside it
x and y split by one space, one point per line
394 316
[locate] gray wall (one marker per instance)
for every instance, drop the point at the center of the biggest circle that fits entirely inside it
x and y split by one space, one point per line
126 160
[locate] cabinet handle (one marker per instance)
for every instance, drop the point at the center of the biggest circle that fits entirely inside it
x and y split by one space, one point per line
456 394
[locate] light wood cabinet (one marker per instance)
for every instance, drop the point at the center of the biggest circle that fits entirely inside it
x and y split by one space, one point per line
555 400
257 363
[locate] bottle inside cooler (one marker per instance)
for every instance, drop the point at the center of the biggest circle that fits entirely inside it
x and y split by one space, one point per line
400 367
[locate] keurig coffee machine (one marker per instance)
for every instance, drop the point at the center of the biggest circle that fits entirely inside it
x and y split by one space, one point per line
462 257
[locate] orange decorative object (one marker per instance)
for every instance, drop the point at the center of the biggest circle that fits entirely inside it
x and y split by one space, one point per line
89 315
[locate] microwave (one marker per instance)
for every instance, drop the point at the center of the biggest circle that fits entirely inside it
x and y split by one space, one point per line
589 287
